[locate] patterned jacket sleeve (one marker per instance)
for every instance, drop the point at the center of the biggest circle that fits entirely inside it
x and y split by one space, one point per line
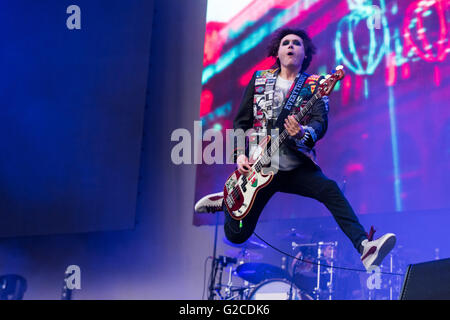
244 118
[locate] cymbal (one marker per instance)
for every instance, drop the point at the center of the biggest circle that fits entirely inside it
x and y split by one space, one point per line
257 272
243 254
292 235
251 243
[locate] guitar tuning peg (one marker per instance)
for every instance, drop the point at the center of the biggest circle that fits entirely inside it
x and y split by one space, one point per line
322 81
340 67
327 76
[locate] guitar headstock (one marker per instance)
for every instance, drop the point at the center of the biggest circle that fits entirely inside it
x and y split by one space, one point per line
327 84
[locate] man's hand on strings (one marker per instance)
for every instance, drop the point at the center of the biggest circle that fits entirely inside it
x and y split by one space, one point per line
293 127
243 164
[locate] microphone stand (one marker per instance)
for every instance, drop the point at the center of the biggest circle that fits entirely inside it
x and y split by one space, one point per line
214 264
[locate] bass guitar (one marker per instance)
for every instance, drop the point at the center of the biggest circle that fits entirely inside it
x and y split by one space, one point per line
240 190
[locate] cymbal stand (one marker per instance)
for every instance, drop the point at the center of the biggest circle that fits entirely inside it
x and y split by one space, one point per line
292 283
219 286
331 271
317 289
221 263
285 266
228 290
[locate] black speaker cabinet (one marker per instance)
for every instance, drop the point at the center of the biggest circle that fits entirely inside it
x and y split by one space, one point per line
427 281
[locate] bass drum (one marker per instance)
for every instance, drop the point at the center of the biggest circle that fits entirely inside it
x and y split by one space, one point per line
277 289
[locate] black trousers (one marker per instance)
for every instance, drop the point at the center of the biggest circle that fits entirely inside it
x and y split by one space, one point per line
307 180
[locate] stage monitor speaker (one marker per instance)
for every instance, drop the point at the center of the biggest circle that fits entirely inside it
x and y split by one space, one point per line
427 281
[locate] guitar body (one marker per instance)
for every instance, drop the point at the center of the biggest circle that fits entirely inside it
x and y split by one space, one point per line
240 191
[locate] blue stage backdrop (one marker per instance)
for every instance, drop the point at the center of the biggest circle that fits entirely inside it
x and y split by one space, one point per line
388 140
71 114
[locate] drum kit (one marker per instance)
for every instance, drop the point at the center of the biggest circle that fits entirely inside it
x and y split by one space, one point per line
310 276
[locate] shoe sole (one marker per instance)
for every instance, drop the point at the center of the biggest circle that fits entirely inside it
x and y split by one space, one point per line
214 196
385 248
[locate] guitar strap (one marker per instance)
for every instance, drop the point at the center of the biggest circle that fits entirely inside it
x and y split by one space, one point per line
294 99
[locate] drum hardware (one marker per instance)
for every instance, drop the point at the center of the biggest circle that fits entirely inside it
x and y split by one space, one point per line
292 283
324 263
222 262
331 271
284 263
234 292
292 235
266 281
243 255
228 290
251 243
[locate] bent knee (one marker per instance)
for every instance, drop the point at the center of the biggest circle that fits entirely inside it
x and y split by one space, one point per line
236 236
234 233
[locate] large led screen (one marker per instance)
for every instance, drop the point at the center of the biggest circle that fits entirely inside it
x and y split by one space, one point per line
388 139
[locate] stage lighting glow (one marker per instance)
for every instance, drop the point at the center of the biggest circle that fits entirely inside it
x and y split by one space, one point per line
395 153
255 38
419 14
395 88
378 41
219 12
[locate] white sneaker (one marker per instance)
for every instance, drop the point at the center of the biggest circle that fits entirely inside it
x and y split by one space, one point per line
375 251
210 203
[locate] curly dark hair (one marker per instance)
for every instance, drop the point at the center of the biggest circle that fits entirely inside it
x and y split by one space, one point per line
274 45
